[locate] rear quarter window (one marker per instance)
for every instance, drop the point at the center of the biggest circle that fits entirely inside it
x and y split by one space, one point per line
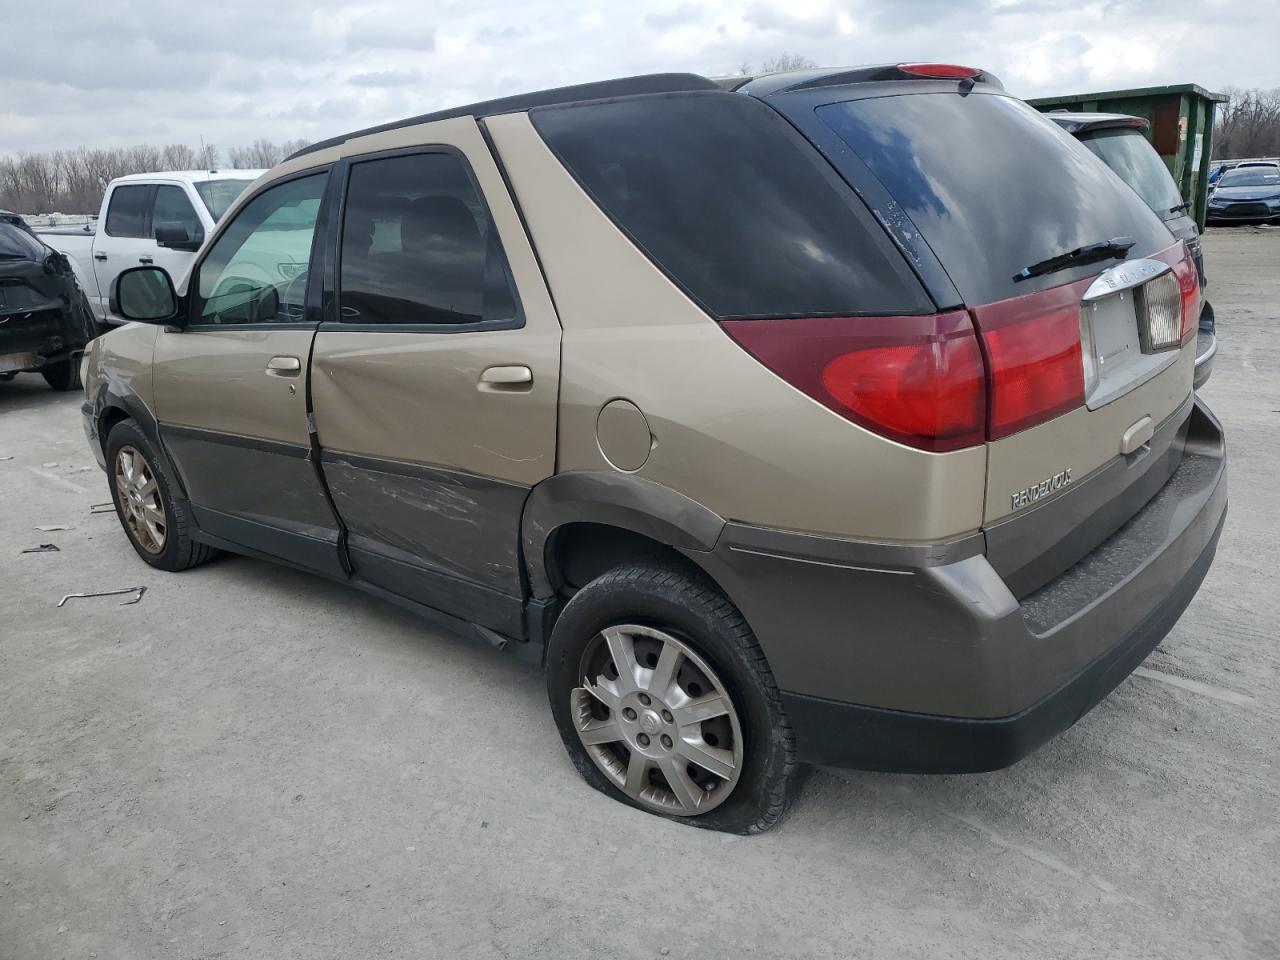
733 205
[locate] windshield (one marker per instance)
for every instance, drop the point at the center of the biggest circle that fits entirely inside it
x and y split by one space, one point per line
17 244
992 186
1136 162
218 195
1251 177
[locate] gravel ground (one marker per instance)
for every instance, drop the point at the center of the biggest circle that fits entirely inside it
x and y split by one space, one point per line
252 763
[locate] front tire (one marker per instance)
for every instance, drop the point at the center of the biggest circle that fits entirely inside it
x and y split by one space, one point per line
158 525
664 700
64 375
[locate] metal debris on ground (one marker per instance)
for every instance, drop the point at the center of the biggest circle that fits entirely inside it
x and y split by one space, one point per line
109 593
43 548
9 457
107 507
51 528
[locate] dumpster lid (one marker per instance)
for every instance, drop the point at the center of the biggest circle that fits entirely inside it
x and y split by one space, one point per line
1175 88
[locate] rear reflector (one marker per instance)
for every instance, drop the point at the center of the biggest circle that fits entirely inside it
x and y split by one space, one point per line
1189 288
939 71
1034 366
916 380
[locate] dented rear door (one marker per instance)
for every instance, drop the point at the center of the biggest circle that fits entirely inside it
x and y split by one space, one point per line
435 375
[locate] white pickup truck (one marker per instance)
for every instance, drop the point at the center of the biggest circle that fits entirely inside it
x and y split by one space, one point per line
159 218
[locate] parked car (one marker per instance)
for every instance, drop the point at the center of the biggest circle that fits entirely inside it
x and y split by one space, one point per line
1247 194
45 321
842 417
159 218
1120 142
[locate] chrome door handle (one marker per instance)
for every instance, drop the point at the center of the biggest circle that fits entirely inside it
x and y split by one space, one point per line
284 367
509 376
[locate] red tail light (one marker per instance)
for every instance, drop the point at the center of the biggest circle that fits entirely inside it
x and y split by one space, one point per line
939 71
1189 285
1034 366
917 380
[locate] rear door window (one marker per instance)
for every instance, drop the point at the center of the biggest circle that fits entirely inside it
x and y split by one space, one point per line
418 246
128 210
993 186
733 205
17 244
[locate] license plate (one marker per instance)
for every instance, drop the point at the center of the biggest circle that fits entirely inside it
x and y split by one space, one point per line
16 361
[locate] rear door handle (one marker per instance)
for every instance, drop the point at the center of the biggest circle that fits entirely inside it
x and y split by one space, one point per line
99 256
513 378
284 367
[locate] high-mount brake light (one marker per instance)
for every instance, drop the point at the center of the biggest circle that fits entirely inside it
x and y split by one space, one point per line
939 71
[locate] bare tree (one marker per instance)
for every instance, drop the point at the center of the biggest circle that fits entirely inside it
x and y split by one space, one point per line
779 64
72 181
177 156
207 157
1248 124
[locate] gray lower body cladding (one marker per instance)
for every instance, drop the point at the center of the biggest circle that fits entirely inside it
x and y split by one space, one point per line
923 659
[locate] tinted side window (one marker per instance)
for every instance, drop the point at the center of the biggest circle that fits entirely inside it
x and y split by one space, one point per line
418 245
256 271
734 205
127 211
172 206
17 244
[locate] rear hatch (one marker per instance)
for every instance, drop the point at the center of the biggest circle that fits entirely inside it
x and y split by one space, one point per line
1083 303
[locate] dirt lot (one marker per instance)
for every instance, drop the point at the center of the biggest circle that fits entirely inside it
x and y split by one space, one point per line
251 763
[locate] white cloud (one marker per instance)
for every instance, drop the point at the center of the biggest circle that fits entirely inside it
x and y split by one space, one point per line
140 70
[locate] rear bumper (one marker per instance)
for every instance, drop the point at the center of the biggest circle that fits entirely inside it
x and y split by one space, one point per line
930 664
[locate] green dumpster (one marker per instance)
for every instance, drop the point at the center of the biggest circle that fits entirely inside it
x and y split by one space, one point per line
1181 128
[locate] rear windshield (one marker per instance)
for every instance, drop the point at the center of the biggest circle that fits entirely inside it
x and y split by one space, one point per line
1136 162
218 195
17 244
993 186
733 205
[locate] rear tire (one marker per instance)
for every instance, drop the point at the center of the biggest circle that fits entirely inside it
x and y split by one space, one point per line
157 525
692 653
63 375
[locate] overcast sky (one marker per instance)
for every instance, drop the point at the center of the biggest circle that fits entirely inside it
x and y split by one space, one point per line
118 72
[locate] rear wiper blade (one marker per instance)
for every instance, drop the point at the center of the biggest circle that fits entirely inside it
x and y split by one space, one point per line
1115 248
1185 205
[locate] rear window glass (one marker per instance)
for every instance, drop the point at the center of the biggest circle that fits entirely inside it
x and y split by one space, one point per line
993 186
17 244
1136 162
733 205
218 195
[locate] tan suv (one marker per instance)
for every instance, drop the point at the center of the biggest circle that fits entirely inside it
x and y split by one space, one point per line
839 416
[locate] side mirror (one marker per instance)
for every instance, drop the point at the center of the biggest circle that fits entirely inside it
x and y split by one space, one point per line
173 234
144 294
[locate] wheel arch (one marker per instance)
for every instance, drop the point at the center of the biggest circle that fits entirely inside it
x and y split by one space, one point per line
112 405
588 507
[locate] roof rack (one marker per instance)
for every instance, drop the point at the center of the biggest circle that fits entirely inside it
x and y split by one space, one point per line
601 90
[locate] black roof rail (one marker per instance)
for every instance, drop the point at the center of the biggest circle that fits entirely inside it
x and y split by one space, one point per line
600 90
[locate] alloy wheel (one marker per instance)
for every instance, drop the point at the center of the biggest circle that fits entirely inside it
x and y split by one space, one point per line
657 721
138 496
